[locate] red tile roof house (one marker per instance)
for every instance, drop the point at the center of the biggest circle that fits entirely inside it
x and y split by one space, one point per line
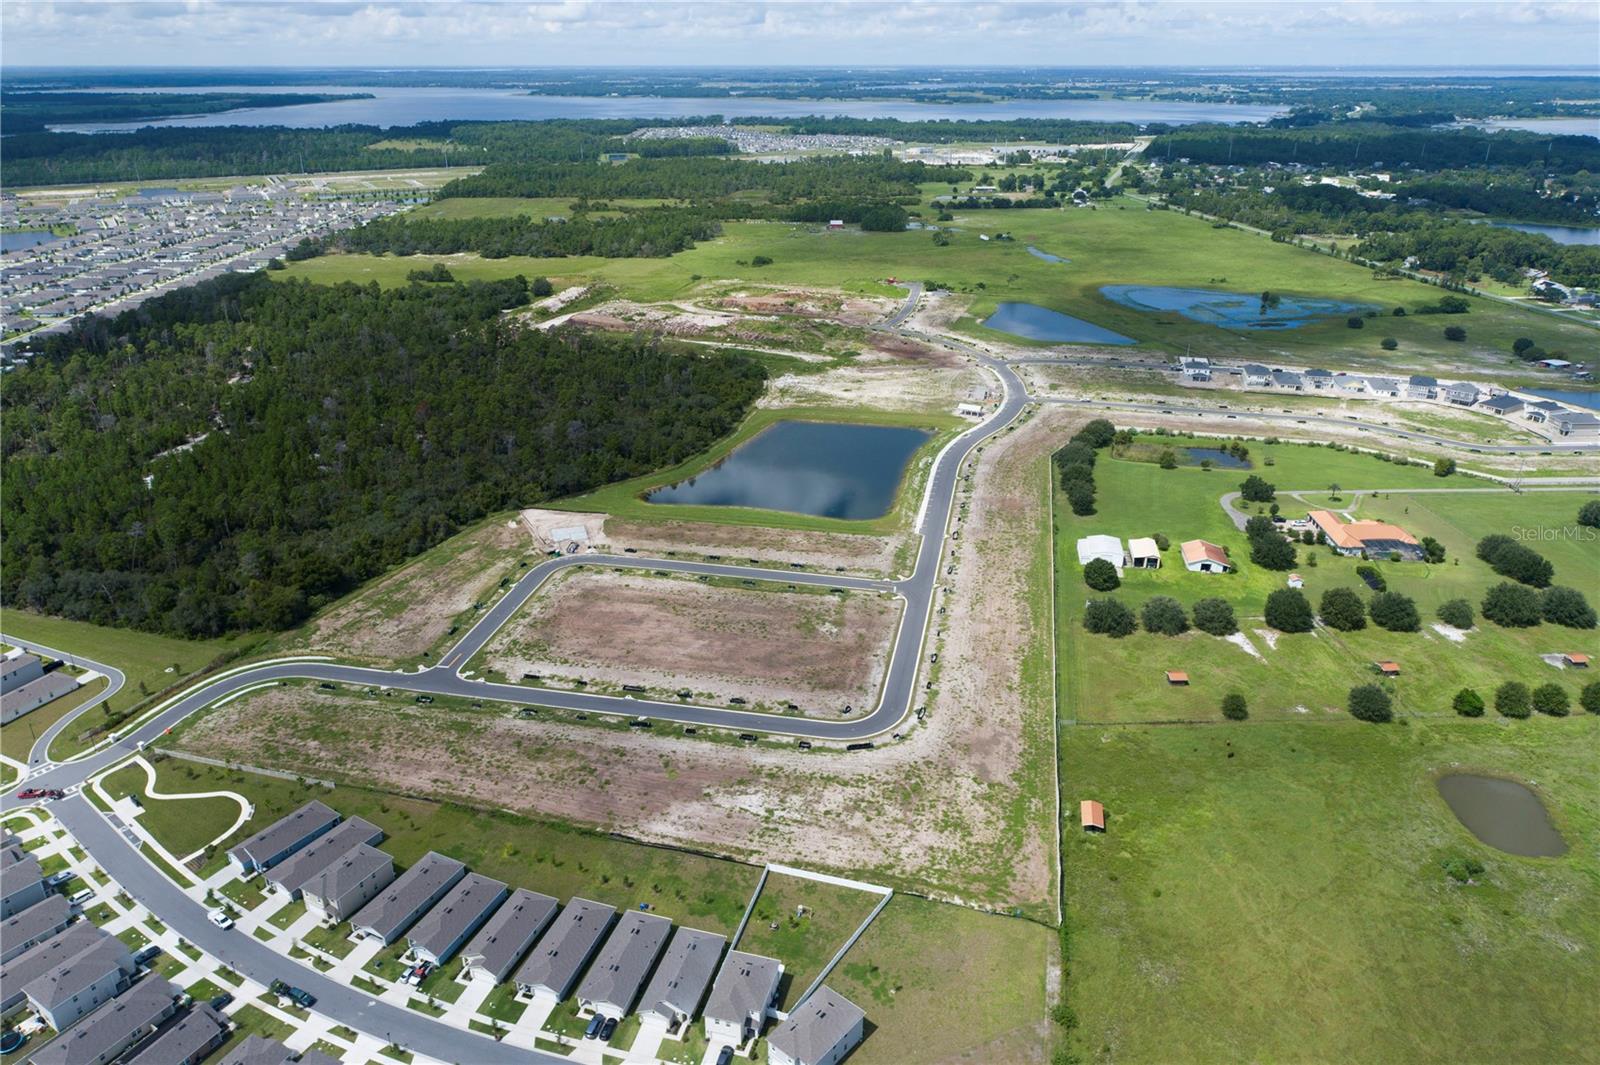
1377 539
1201 556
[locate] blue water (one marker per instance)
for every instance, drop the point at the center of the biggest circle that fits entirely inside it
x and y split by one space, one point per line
1046 256
1590 400
828 469
156 193
1230 310
1218 457
1041 323
398 106
1559 234
23 239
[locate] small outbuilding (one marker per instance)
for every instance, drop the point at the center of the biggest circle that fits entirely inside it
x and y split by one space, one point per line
1177 676
1093 816
1575 660
1296 581
1143 553
1389 669
1101 546
1201 556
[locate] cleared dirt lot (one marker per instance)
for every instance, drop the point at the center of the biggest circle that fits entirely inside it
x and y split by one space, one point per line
871 555
772 647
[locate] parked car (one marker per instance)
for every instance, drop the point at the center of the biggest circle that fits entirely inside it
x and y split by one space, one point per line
725 1056
303 999
222 1000
82 897
595 1024
418 973
55 880
40 793
608 1029
147 955
220 918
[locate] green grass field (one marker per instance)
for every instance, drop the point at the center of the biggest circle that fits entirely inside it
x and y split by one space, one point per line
803 941
182 826
1275 893
1120 243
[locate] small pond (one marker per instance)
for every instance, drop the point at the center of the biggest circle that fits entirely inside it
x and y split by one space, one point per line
1218 457
1046 256
827 469
1041 323
160 193
1230 310
23 239
1502 813
1590 400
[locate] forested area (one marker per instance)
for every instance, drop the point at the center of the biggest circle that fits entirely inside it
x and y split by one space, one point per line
235 454
653 232
1364 144
1468 250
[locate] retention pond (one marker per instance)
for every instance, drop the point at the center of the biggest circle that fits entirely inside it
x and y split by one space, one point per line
1502 813
1230 310
1034 322
828 469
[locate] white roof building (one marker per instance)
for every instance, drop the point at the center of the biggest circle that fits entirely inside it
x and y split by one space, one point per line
1101 546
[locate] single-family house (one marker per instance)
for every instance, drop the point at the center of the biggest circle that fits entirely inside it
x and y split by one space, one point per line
1285 379
81 983
1502 404
619 970
1256 375
187 1041
1462 393
1177 677
19 669
1349 382
1195 368
259 1050
1202 556
397 907
352 881
283 837
1383 386
34 694
445 928
1579 423
21 881
1296 581
822 1030
506 936
32 926
742 997
1388 669
291 874
679 985
1421 386
1541 409
1101 546
36 961
1143 553
565 949
1319 379
104 1035
1376 538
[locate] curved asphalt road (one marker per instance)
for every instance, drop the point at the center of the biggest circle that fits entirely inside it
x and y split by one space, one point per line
113 675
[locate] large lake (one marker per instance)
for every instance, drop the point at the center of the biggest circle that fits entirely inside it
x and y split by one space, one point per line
1034 322
405 106
23 239
828 469
1559 234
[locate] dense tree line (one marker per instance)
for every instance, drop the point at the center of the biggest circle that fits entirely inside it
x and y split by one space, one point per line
235 454
654 232
1468 250
1364 144
31 112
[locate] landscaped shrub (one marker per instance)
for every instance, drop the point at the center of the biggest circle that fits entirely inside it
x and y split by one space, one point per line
1566 606
1162 543
1589 514
1462 870
1517 561
1215 616
1101 575
1512 699
1457 613
1368 702
1108 617
1234 707
1395 612
1589 699
1165 615
1512 605
1342 609
1373 578
1468 703
1552 699
1288 610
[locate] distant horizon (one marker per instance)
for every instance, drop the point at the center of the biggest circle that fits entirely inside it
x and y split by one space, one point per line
1586 70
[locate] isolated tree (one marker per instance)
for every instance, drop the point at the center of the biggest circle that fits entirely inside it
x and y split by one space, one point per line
541 287
1215 616
1552 699
1368 702
1520 345
1101 575
1512 699
1395 612
1288 610
1566 606
1354 322
1165 615
1457 613
1256 489
1444 467
1271 551
1432 551
1468 703
1454 332
1589 514
1234 708
1169 459
1589 699
1108 617
1342 609
1512 605
1388 343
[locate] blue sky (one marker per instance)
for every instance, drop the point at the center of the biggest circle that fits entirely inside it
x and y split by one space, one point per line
473 33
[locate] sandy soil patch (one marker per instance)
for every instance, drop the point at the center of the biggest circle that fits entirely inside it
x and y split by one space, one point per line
543 525
871 555
886 385
1241 641
960 809
844 308
1450 632
895 346
551 304
400 615
1270 637
819 651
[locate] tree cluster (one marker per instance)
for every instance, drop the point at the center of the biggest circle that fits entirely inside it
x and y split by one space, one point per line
1511 559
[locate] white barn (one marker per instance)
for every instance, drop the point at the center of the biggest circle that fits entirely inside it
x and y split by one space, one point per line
1101 546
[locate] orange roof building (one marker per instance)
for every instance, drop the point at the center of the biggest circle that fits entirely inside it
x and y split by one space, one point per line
1378 539
1577 660
1389 669
1175 676
1202 556
1093 816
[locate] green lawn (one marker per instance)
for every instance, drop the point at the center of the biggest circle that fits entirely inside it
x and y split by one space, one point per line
1275 893
17 739
183 826
503 1005
288 915
335 941
803 942
203 990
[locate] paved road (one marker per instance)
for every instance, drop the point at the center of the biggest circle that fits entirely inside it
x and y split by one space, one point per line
114 679
243 953
1592 447
913 294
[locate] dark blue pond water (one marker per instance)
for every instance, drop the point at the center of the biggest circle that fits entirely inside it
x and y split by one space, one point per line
22 239
1218 458
823 468
1230 310
1041 323
1046 256
1591 400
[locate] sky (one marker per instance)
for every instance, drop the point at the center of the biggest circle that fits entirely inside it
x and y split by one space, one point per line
477 33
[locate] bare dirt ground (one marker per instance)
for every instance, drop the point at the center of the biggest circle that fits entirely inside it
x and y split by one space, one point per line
870 555
398 616
961 808
816 650
884 385
841 307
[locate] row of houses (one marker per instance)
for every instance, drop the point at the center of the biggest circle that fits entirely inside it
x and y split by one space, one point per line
550 951
25 685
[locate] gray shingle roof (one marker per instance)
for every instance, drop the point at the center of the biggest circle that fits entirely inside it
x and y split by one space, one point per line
113 1026
619 970
284 832
456 915
817 1025
506 937
347 873
195 1031
33 963
292 873
404 900
38 920
84 969
259 1050
561 954
686 969
743 988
